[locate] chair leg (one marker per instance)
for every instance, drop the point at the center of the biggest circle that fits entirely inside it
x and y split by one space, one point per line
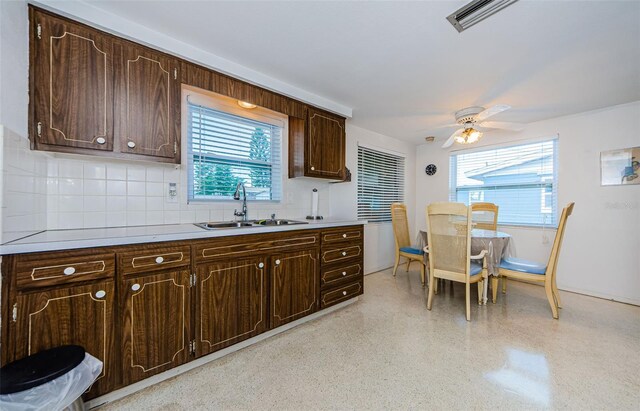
480 291
494 288
422 274
504 284
556 293
549 290
468 300
435 286
432 281
409 261
395 266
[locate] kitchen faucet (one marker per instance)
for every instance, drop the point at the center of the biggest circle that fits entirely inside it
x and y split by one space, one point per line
236 196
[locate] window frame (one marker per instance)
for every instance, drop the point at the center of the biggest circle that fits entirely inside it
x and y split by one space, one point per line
400 196
453 188
229 105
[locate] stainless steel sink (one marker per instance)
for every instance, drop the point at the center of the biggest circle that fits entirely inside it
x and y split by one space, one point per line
221 225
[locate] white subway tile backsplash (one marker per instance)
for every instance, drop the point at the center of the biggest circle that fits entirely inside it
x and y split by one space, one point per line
155 189
202 216
95 187
136 188
94 171
70 220
95 203
171 217
116 188
116 219
116 172
136 218
136 203
187 217
70 168
68 204
155 217
136 173
70 186
94 220
155 203
116 203
52 185
155 174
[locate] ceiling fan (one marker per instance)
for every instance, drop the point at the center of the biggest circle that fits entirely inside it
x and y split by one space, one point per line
471 119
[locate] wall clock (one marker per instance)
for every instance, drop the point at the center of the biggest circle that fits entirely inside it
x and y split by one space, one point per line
431 169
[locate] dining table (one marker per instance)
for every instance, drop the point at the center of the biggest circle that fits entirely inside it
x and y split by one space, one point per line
498 244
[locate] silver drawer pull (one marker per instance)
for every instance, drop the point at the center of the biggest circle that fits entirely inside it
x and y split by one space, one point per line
344 253
159 260
131 144
344 236
69 271
101 294
344 293
277 262
135 287
101 140
344 273
261 265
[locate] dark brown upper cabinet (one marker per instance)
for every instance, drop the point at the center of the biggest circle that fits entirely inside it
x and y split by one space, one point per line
147 102
317 145
71 86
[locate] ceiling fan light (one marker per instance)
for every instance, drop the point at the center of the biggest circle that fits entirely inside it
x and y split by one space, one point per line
468 136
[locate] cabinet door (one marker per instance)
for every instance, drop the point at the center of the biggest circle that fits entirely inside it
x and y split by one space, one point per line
147 102
80 315
155 325
71 85
294 286
325 146
232 303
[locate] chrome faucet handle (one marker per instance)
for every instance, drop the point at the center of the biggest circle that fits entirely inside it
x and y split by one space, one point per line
273 216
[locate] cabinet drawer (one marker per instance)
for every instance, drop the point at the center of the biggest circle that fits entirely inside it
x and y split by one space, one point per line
250 245
341 235
150 259
342 274
341 254
47 269
329 298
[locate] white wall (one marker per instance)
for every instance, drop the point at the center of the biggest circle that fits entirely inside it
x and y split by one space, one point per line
600 254
379 243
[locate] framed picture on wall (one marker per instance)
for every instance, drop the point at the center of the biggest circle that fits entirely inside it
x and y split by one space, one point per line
620 167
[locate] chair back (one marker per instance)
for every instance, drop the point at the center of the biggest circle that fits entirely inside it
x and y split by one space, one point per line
485 216
449 235
400 225
557 242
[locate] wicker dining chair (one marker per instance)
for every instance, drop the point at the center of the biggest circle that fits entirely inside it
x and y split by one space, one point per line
485 216
403 243
449 233
520 269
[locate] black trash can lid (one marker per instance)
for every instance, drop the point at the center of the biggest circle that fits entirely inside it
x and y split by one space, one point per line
39 368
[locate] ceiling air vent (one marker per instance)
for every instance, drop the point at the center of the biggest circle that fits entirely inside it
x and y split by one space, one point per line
475 12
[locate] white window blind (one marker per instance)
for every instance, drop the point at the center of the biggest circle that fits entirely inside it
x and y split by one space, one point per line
520 179
225 149
380 183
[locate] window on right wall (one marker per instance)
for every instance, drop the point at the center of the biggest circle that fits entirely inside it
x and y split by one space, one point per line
521 179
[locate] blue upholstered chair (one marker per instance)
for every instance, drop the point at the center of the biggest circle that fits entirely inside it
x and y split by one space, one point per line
531 271
403 244
449 233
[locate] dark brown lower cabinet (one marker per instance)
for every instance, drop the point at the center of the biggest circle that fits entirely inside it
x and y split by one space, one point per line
155 327
294 286
231 303
81 315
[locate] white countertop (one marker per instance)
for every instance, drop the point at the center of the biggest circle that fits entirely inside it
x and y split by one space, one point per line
51 240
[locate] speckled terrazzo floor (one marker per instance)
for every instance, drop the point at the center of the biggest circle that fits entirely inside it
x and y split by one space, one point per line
388 352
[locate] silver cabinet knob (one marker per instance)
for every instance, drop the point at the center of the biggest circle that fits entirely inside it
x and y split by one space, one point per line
101 294
313 168
261 265
344 235
101 140
277 262
135 287
131 144
344 293
344 273
69 271
159 260
344 253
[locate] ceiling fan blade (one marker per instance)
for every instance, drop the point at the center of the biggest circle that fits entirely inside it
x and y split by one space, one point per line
491 111
451 139
502 125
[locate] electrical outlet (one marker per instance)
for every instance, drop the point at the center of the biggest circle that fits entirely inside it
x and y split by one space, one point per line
172 194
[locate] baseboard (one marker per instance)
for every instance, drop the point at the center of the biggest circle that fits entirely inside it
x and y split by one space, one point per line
130 389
